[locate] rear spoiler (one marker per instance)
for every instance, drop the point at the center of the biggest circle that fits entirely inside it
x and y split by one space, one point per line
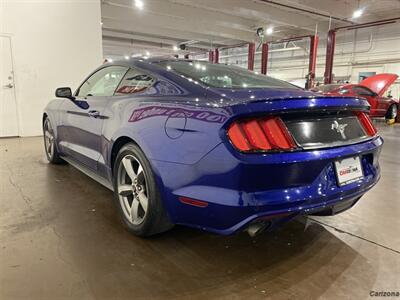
301 104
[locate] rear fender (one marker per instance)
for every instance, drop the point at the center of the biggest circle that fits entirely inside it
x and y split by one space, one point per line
171 132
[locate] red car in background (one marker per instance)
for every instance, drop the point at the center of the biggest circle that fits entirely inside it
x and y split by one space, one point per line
373 89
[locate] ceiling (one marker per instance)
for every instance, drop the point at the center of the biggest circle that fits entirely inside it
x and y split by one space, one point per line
160 25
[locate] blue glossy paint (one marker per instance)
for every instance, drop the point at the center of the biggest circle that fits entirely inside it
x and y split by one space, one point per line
181 127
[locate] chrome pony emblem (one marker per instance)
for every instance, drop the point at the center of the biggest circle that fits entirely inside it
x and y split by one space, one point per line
339 128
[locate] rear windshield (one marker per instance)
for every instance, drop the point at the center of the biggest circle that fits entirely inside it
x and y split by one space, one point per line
326 88
224 76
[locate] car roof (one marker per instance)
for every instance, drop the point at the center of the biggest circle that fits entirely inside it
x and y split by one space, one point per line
149 64
140 60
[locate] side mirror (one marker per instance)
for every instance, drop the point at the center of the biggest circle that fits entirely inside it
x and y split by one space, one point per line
64 92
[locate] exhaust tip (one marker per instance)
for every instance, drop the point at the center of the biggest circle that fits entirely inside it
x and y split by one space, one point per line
256 228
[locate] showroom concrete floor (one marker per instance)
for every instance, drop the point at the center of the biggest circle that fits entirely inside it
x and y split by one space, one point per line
60 237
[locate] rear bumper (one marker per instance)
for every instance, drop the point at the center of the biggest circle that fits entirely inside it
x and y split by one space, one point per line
242 188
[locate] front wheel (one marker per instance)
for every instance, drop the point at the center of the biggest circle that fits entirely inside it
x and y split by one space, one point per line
136 193
50 143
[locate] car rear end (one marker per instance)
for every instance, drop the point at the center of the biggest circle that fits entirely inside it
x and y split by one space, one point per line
281 157
282 151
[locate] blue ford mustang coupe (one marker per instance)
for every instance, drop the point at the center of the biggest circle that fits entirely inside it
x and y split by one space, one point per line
212 146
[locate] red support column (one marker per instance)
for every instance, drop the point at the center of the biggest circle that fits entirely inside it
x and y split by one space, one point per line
216 56
264 58
330 52
250 57
211 56
312 61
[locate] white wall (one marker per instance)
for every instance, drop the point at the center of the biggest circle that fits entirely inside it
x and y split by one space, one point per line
55 43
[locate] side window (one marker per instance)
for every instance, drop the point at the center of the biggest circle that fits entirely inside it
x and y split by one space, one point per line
359 90
103 82
134 81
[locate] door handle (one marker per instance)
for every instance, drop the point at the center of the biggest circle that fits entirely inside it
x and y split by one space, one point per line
93 114
8 86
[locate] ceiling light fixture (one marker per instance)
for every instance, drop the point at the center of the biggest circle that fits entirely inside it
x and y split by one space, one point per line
269 30
175 48
357 13
147 53
126 57
139 4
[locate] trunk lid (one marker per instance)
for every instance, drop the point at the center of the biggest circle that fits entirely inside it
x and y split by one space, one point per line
322 130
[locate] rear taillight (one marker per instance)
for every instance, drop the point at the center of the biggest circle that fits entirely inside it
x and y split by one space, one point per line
367 123
260 134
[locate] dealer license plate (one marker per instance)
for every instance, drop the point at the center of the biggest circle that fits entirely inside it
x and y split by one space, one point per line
348 170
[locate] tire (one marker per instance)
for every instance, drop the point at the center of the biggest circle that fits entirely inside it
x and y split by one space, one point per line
50 148
136 193
392 112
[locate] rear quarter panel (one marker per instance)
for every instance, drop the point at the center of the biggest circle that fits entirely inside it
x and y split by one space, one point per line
175 131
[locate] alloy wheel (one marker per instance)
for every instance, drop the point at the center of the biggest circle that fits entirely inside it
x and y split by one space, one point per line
132 189
48 138
394 112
